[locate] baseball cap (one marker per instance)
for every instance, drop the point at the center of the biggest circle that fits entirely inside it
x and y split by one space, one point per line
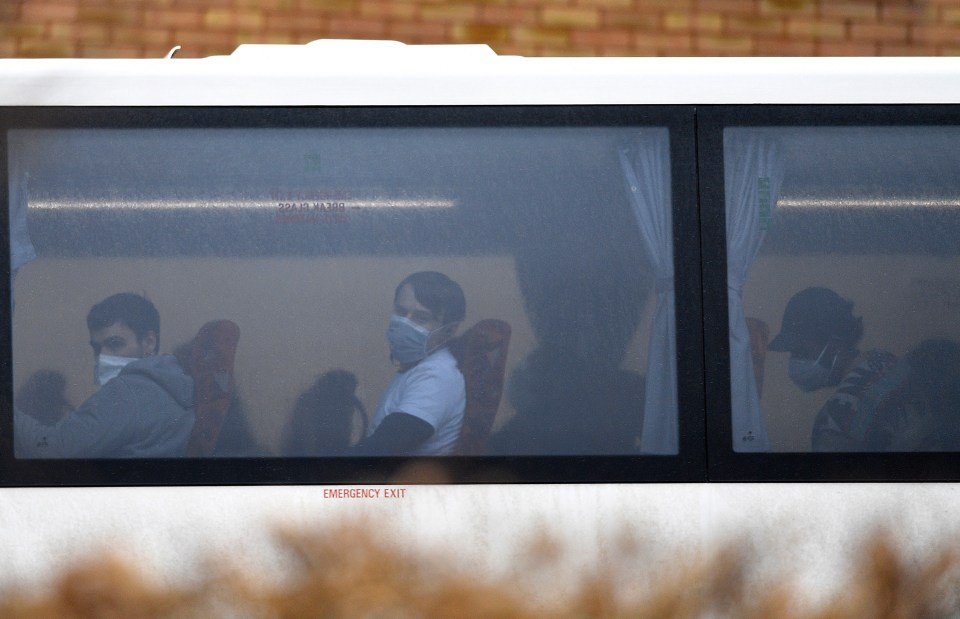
814 314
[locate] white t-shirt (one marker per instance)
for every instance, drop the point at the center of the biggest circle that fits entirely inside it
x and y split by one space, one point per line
432 390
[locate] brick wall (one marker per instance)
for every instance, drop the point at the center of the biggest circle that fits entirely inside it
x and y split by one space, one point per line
149 28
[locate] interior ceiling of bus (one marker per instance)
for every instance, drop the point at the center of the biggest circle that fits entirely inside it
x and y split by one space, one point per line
466 183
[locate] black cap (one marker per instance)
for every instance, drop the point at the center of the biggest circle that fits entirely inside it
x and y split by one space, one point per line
815 315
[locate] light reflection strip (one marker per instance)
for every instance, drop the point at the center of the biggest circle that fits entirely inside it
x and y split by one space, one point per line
425 203
905 202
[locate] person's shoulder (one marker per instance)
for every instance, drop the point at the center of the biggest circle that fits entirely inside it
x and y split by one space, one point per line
162 370
439 365
155 363
439 360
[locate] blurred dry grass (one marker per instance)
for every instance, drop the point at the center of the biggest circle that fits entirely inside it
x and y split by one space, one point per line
348 572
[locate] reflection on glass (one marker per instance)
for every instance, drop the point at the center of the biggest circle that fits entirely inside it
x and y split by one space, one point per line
273 259
856 280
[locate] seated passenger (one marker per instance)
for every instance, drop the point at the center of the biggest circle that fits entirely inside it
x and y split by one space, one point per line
567 406
43 396
144 407
821 334
421 412
323 419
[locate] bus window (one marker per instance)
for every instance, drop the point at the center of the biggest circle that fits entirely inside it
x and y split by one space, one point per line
302 237
845 237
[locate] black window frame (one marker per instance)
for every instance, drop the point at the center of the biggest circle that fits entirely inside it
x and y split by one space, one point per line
725 464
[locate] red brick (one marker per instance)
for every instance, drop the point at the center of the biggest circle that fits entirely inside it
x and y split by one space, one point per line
510 15
89 34
177 18
905 12
935 35
387 9
20 30
65 31
110 51
536 36
418 32
515 49
846 48
633 19
816 29
348 28
48 11
278 38
625 52
785 47
111 16
340 7
204 38
887 49
660 41
449 13
233 19
848 9
790 8
293 23
46 49
480 33
731 7
892 33
605 4
769 26
149 39
601 39
218 19
537 4
665 5
698 22
570 16
724 45
264 5
8 13
950 15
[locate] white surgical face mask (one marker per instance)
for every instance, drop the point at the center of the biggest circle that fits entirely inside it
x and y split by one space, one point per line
808 374
407 339
811 374
108 367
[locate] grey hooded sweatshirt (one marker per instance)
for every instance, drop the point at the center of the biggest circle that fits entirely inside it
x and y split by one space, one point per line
145 412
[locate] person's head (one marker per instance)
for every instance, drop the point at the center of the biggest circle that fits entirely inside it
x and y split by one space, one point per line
124 325
428 307
821 333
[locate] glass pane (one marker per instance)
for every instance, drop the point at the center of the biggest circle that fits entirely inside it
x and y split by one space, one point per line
300 238
853 297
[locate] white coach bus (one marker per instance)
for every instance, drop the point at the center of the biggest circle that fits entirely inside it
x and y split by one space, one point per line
699 270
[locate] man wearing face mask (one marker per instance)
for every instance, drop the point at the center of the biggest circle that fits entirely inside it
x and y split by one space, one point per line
421 412
821 334
144 407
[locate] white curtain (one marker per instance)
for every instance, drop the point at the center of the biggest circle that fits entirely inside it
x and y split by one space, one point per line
646 170
21 249
753 174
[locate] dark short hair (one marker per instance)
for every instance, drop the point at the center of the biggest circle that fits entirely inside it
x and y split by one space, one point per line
438 293
131 310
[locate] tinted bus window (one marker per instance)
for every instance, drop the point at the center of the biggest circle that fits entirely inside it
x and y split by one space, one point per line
844 242
305 241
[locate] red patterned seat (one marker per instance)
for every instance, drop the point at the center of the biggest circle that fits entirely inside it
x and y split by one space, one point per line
211 365
482 354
